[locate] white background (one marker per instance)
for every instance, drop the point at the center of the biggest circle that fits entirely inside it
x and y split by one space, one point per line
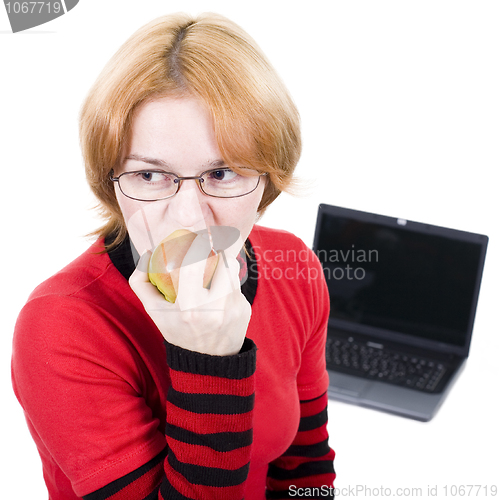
400 111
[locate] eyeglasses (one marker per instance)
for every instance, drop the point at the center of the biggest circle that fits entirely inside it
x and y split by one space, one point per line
155 185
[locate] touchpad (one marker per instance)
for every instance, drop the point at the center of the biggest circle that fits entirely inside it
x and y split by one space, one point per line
347 385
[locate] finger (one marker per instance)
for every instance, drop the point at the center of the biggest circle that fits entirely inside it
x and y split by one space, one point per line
191 292
140 284
226 277
195 268
230 257
141 270
191 271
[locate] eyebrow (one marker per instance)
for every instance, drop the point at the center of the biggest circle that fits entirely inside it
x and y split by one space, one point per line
160 163
151 161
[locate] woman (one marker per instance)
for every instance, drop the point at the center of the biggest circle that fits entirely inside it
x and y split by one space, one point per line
221 394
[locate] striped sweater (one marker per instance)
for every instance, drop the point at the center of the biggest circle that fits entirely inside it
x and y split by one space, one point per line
115 418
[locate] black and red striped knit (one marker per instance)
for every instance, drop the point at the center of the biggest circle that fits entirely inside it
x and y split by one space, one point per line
308 462
209 424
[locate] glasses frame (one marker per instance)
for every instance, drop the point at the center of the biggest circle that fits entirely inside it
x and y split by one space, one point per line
179 180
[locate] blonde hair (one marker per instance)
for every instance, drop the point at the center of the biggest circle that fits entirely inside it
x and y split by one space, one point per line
256 122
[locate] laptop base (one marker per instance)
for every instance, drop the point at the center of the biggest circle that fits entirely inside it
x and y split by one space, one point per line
388 398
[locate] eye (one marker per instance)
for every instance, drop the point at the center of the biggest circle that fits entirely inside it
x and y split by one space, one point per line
224 174
151 176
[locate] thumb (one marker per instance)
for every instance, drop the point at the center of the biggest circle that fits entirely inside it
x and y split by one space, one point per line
140 275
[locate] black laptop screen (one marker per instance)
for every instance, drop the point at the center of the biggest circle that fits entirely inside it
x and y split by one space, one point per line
398 279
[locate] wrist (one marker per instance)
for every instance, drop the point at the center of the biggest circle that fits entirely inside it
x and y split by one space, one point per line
234 366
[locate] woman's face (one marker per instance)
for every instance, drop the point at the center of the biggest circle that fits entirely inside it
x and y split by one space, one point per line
177 135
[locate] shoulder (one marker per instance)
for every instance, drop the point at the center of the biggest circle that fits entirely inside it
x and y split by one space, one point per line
289 273
89 267
78 310
276 247
60 300
90 283
273 238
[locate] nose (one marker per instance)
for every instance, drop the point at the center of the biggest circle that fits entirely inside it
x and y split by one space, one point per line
186 207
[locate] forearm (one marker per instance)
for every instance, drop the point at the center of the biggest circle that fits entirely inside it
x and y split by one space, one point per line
209 423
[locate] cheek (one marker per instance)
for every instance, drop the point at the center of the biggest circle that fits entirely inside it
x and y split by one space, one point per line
243 213
126 205
144 222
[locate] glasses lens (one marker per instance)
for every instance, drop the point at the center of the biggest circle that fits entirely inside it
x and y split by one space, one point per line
225 183
148 185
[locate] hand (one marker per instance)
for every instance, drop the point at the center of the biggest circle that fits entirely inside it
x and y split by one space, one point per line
211 321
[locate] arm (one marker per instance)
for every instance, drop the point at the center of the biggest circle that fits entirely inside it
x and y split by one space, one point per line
308 462
208 431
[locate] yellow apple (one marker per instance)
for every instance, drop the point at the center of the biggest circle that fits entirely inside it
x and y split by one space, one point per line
167 258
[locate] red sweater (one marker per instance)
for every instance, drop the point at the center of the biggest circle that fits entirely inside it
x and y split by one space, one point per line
105 404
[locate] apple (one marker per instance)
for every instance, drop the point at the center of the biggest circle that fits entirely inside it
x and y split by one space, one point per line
167 258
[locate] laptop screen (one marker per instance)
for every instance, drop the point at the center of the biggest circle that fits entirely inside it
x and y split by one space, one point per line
400 276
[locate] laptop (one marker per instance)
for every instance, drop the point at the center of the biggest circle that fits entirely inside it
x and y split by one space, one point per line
403 301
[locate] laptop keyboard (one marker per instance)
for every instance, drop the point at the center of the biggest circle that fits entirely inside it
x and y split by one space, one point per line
375 363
